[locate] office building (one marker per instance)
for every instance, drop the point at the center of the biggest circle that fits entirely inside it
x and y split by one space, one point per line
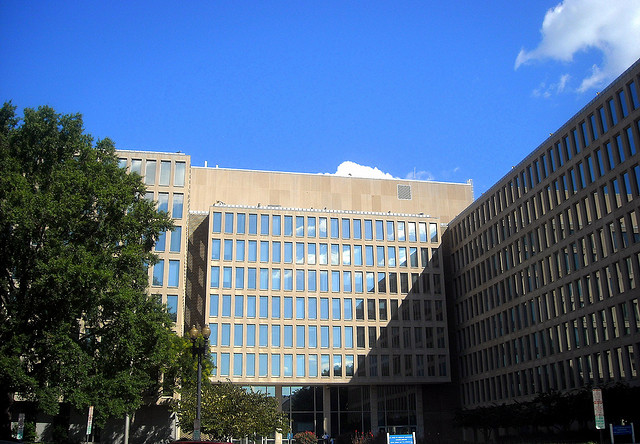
544 266
326 292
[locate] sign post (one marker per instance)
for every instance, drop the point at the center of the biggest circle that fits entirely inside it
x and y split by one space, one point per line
401 439
20 426
89 422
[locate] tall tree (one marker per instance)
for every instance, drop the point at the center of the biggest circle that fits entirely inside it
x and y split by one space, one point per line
76 323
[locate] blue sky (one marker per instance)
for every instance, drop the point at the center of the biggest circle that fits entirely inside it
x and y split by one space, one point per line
445 91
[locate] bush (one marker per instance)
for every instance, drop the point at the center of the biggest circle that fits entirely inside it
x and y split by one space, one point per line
305 438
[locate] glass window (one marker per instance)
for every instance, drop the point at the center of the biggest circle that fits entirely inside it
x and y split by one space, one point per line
412 231
276 229
300 360
323 257
136 166
311 226
226 277
172 307
368 229
299 226
225 335
433 232
335 309
275 364
371 282
264 224
264 251
239 306
288 225
239 278
299 252
313 336
288 336
150 174
215 276
253 224
217 222
275 252
300 342
324 308
165 172
391 252
251 364
322 227
275 307
174 273
162 241
337 337
348 337
325 365
163 202
324 336
253 251
226 305
299 308
401 232
335 254
346 232
357 229
380 255
357 255
275 336
348 309
228 249
346 281
335 281
346 255
240 250
178 179
288 252
313 366
213 305
311 254
324 281
337 365
312 308
369 255
237 335
251 306
379 230
176 211
263 339
275 279
358 278
422 227
299 280
360 309
264 306
288 307
228 223
311 280
224 364
288 280
335 228
264 279
391 235
263 364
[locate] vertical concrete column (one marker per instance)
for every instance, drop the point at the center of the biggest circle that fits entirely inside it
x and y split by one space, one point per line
278 437
419 413
326 409
373 401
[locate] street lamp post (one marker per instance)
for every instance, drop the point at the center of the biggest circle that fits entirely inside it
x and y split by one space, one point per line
199 347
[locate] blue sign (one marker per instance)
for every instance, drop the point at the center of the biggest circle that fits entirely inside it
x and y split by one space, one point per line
401 439
622 430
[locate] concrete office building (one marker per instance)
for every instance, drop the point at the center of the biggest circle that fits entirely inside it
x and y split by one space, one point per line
326 292
330 292
544 266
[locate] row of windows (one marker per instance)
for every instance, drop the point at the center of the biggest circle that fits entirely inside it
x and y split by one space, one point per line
324 281
618 364
159 273
570 144
325 336
177 203
612 280
323 227
312 254
599 202
175 242
594 328
326 365
335 309
163 178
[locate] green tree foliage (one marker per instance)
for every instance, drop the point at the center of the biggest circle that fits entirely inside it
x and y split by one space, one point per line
76 324
228 410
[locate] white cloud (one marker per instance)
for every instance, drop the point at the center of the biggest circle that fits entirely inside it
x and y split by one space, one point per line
420 175
613 28
544 90
348 168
